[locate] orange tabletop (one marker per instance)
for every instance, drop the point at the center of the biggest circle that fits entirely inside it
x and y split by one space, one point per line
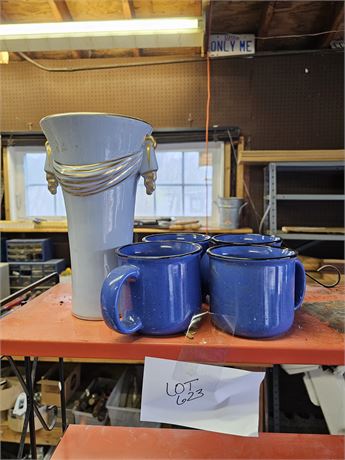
108 442
46 327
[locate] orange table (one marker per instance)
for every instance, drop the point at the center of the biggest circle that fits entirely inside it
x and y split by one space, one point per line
82 442
46 327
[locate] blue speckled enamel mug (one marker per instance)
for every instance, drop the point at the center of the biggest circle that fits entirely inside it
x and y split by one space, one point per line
200 238
155 290
255 290
234 239
247 238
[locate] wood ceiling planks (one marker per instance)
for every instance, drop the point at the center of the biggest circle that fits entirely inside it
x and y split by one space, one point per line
236 17
27 11
166 8
263 18
88 10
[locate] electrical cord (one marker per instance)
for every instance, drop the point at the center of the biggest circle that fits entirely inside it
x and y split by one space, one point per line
264 217
315 34
163 62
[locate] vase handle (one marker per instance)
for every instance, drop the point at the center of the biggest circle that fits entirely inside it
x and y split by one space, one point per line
48 168
149 164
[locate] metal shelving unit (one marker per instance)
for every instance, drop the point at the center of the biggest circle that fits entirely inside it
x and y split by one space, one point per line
272 197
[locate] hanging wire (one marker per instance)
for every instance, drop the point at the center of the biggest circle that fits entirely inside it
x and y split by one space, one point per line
262 221
257 215
315 34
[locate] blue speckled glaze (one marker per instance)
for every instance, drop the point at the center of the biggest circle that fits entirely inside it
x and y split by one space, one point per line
246 238
200 238
255 290
164 291
233 239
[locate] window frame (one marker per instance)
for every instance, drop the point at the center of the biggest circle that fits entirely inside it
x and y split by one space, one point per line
16 183
217 149
15 189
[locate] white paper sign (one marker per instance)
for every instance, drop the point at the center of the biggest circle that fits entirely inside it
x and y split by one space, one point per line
231 44
211 398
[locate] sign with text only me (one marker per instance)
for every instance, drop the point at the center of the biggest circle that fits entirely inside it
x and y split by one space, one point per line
231 45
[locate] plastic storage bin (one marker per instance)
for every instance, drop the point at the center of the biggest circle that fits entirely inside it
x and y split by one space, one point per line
29 250
24 273
121 415
97 385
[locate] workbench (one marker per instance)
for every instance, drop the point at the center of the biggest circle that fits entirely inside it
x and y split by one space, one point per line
45 327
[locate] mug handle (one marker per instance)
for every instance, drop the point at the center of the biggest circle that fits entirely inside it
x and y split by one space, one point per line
110 298
300 284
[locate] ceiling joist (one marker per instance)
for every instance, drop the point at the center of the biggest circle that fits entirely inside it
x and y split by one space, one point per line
265 22
129 13
60 10
337 21
62 13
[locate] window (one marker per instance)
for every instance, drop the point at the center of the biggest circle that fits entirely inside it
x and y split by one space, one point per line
185 178
29 195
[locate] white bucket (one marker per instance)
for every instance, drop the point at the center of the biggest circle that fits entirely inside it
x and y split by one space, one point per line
100 211
229 211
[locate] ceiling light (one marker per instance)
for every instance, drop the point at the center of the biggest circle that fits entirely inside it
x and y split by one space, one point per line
131 33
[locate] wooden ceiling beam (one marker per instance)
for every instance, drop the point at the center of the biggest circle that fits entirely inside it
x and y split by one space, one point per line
61 12
129 13
128 9
335 24
265 22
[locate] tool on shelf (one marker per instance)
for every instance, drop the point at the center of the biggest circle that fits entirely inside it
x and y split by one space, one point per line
331 285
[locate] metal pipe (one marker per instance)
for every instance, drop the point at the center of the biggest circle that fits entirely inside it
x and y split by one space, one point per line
173 61
62 395
30 407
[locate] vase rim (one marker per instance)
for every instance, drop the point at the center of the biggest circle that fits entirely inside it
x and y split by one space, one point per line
105 114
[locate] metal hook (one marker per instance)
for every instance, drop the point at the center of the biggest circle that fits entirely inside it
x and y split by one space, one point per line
327 285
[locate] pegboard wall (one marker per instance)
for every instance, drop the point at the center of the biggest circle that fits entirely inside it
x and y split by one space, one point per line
279 102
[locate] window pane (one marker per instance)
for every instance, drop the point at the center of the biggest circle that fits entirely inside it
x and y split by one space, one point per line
169 167
39 201
144 204
34 168
169 200
194 173
195 200
60 204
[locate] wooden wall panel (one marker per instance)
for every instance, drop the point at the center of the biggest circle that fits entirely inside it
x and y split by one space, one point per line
279 102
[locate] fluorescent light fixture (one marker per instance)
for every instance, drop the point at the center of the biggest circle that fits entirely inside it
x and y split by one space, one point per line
131 33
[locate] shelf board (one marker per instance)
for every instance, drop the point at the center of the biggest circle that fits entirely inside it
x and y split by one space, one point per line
307 197
310 236
13 227
81 442
45 326
43 437
294 156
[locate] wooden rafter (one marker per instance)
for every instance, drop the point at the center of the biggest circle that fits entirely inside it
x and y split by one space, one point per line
128 9
206 12
265 22
61 12
129 13
335 24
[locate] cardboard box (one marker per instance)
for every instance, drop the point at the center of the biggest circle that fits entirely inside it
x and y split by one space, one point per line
9 394
50 385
